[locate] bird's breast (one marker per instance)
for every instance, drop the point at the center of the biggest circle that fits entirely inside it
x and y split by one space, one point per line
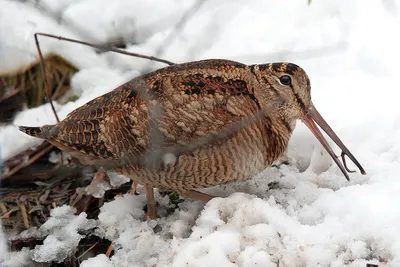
243 155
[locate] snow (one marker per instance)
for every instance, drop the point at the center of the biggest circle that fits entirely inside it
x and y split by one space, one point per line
62 234
301 214
99 260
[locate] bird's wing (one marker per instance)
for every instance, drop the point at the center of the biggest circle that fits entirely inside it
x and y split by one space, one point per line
164 110
104 128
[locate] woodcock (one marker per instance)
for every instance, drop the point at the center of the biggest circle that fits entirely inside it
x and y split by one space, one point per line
193 125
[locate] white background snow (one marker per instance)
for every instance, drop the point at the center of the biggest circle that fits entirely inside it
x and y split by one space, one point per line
350 50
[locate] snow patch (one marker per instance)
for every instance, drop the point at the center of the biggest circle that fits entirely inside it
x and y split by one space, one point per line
63 234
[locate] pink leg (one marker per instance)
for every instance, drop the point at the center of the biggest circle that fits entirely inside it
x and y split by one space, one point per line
151 203
101 175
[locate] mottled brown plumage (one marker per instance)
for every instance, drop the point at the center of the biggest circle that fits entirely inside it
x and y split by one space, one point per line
190 125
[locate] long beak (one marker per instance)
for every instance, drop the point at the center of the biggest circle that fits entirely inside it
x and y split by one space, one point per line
314 116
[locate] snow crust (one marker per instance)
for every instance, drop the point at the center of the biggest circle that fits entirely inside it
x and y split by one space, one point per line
301 214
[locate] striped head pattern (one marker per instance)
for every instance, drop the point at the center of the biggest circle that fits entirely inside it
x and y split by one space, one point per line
290 84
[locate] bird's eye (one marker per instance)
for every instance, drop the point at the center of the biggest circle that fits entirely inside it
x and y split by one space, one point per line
285 80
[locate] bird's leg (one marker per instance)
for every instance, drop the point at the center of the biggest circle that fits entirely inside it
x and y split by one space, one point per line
196 195
282 160
99 185
101 175
133 190
151 203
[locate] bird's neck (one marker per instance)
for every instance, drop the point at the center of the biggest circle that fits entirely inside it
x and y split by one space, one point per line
277 134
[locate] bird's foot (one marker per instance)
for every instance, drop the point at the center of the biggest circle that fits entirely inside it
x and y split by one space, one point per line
283 160
133 190
99 184
151 206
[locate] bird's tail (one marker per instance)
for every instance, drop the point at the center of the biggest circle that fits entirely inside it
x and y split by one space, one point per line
32 131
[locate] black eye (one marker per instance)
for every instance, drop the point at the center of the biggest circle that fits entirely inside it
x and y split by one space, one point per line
285 80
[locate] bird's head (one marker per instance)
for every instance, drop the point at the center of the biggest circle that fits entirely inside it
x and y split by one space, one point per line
289 85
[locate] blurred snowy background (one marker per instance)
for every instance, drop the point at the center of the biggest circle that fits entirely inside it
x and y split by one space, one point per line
350 50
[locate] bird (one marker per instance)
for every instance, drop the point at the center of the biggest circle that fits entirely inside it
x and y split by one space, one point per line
194 125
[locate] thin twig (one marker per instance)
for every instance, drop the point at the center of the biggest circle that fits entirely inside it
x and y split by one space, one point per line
14 160
10 94
109 250
24 215
46 84
27 163
7 215
86 251
104 48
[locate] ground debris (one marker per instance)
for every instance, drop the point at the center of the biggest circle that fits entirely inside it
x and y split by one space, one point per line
23 88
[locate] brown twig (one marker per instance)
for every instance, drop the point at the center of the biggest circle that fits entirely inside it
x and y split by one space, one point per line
109 250
27 163
46 84
7 214
102 47
86 251
24 214
10 94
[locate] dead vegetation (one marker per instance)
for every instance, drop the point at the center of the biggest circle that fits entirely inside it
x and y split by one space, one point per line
24 87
